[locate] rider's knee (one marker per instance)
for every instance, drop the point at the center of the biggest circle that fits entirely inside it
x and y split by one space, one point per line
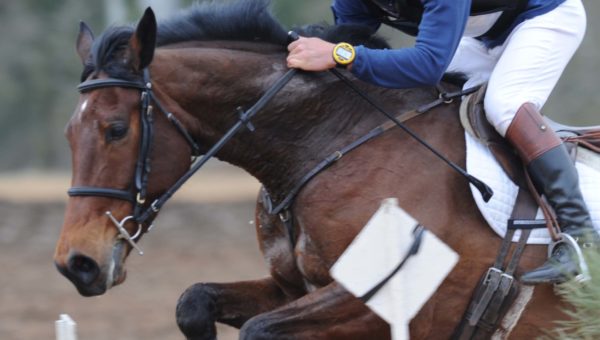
501 106
195 312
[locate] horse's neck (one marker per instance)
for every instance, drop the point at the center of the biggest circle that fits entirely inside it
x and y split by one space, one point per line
313 116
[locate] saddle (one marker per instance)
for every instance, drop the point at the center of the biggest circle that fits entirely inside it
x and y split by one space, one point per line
497 291
474 121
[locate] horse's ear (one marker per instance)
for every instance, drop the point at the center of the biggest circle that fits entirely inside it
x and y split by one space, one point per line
143 41
84 41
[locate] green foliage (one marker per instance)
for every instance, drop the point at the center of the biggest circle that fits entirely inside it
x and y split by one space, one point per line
584 301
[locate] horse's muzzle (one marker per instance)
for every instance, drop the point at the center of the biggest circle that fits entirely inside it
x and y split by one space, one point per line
84 273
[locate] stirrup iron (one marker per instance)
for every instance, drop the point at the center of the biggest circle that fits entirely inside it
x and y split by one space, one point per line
569 241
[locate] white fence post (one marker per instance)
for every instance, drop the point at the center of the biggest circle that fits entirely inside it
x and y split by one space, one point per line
65 328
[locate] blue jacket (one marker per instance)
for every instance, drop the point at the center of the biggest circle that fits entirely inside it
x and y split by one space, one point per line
439 33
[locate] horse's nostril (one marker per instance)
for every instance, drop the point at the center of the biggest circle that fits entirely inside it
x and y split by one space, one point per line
83 264
83 269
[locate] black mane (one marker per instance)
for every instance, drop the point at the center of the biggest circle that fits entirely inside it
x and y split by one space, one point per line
242 20
246 20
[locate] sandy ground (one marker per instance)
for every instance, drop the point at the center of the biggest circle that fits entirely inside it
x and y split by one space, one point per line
201 237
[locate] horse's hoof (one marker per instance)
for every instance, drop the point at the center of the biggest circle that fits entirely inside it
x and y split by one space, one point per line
195 313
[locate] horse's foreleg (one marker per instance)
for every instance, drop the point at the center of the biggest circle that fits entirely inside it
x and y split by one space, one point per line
327 313
203 304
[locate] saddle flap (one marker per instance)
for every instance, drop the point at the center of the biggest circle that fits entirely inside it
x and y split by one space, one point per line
474 121
476 124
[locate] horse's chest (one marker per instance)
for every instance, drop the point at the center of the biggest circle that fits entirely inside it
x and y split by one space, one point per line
310 261
278 253
297 267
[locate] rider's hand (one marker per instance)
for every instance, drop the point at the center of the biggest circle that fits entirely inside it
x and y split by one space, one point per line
311 54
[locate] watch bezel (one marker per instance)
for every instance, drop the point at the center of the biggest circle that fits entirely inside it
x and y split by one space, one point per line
341 60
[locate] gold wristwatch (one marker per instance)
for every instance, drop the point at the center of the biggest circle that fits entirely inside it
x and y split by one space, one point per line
344 54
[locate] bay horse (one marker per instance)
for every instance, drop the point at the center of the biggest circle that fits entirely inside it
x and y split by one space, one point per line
213 58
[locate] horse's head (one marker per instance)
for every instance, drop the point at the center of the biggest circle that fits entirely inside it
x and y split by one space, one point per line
111 157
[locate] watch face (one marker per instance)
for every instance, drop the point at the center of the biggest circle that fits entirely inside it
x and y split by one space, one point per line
344 53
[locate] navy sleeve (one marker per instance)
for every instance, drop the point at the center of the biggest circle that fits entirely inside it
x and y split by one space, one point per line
354 12
440 31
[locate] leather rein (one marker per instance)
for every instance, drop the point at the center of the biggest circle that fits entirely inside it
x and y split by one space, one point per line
142 212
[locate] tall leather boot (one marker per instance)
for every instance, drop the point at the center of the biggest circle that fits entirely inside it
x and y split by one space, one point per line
555 176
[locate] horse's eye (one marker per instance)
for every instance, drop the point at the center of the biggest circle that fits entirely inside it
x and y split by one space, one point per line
116 132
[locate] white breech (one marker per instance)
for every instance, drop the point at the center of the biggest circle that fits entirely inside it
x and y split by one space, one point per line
527 66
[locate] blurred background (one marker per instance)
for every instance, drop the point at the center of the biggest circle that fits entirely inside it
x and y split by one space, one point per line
39 71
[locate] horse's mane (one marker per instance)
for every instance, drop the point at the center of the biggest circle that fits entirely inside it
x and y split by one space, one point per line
248 20
242 20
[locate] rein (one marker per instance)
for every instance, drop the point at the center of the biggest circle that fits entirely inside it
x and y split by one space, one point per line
283 208
143 212
484 189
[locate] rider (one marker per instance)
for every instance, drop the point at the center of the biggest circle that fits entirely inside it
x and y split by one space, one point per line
520 47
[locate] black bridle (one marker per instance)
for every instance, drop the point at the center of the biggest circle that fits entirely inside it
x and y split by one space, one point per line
142 212
137 194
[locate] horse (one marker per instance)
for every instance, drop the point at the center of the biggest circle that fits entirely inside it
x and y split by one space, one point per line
205 63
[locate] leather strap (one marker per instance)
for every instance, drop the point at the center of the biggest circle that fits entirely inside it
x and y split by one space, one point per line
444 98
530 135
138 193
590 140
551 222
93 84
489 300
102 192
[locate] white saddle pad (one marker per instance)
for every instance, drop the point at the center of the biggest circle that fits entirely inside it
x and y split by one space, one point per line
482 164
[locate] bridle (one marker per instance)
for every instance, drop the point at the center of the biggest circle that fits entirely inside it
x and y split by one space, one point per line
137 194
142 212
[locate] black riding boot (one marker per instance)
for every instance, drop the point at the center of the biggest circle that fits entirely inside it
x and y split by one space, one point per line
555 176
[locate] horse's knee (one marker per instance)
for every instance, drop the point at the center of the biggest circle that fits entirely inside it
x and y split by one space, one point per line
195 312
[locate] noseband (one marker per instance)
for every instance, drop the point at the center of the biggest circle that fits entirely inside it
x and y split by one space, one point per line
136 195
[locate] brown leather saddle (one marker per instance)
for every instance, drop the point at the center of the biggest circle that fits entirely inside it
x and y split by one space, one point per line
474 121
